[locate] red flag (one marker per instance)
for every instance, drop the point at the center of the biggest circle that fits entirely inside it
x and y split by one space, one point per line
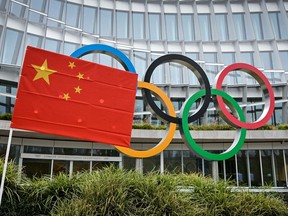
61 95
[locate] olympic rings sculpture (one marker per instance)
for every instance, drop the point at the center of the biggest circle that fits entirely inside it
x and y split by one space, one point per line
221 100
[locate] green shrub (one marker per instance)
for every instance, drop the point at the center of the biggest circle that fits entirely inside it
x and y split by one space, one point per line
6 116
114 191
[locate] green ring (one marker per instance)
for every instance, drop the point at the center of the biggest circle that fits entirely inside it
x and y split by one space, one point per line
184 128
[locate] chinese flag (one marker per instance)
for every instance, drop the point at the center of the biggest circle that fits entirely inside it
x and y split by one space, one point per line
61 95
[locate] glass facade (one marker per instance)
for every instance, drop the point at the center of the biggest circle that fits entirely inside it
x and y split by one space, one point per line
215 34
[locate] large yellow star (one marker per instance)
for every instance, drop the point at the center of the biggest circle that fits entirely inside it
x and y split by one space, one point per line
43 72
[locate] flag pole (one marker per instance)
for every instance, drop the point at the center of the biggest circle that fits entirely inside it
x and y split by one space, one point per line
5 164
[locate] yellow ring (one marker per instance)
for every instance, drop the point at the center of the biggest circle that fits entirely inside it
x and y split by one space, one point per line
170 129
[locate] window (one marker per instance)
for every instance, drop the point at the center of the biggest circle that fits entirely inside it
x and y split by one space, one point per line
56 9
73 15
255 169
239 24
248 58
3 4
267 58
122 24
106 22
172 161
38 6
34 40
280 168
176 73
278 24
89 19
13 51
188 27
234 76
171 27
266 156
19 10
205 27
155 26
138 25
140 63
284 58
192 78
69 48
259 26
52 45
7 103
211 69
222 25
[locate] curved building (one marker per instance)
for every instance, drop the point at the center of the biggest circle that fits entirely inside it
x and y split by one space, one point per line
214 33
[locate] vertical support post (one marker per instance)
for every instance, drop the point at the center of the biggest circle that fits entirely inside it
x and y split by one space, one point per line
5 164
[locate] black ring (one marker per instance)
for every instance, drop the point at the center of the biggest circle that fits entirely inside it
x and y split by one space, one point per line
199 73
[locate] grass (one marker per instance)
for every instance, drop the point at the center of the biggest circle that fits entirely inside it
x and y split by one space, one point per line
114 191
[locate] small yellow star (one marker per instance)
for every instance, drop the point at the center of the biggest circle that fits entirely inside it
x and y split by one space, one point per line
80 76
71 65
78 89
43 72
66 96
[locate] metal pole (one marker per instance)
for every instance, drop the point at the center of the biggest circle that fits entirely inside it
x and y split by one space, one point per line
5 164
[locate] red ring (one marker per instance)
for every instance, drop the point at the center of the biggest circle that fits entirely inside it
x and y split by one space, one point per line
264 83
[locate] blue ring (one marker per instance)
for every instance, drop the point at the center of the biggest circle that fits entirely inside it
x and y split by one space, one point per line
108 50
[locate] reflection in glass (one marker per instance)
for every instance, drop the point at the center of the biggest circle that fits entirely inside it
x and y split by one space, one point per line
266 156
242 168
72 151
61 166
172 161
38 149
255 169
191 162
105 152
151 164
129 163
81 166
171 27
280 168
98 165
230 166
36 167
